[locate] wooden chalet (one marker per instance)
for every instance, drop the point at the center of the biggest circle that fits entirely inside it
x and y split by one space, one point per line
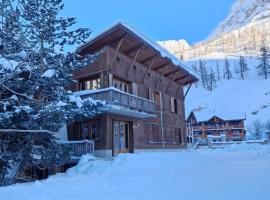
142 85
199 129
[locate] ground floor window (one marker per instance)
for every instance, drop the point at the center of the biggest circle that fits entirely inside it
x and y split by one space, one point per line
90 130
154 132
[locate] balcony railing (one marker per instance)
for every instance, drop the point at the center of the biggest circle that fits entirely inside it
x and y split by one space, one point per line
79 148
114 96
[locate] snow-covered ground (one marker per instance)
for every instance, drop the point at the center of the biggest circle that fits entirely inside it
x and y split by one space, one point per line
237 173
232 98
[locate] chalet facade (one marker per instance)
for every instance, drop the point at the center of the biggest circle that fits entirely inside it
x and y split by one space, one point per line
142 85
199 130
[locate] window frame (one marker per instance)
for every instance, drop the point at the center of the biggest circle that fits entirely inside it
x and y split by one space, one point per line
88 84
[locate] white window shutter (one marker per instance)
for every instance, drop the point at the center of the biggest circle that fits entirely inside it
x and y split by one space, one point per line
172 105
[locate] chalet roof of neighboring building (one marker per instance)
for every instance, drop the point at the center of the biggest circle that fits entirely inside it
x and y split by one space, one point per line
133 41
204 116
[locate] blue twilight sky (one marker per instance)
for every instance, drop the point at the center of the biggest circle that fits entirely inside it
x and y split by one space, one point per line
192 20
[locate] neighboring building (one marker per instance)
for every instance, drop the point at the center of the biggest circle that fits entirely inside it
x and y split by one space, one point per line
199 128
142 84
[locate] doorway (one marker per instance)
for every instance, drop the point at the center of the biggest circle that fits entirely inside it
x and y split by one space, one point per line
121 137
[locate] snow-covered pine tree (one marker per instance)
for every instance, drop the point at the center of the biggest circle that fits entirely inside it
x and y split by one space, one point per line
243 68
34 73
263 68
211 80
203 73
195 69
218 71
227 69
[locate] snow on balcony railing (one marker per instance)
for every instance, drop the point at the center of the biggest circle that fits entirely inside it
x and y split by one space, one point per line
113 96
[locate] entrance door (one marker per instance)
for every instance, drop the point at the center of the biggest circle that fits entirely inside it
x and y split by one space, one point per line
121 137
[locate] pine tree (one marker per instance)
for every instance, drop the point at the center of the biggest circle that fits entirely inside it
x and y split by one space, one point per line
264 67
34 72
227 70
195 69
211 80
218 71
203 73
243 69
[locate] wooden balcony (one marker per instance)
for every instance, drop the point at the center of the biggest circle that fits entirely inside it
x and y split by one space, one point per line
116 97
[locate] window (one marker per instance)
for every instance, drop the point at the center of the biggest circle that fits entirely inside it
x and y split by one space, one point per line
154 133
156 98
174 107
90 130
90 84
180 136
121 85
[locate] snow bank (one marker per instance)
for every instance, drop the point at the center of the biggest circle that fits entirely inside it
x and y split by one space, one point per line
240 172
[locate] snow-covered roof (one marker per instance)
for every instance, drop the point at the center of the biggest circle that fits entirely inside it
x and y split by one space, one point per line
206 115
148 42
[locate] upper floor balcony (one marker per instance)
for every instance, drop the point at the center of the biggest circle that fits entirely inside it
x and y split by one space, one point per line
123 103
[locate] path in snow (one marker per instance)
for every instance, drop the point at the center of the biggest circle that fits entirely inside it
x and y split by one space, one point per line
241 172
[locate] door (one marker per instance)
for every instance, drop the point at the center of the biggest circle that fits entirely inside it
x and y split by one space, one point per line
121 137
116 149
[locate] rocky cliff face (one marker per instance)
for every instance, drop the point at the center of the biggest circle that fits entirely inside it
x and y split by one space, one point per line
244 31
242 13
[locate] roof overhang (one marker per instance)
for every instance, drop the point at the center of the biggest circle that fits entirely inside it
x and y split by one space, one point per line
132 40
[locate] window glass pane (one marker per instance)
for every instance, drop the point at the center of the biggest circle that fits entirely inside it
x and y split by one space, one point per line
94 84
126 136
175 106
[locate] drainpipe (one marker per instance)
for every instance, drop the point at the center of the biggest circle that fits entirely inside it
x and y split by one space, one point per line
161 122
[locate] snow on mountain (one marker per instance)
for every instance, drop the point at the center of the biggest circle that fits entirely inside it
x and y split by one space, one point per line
244 32
242 13
248 98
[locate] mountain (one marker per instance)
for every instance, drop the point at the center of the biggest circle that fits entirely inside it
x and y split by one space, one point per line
242 13
243 32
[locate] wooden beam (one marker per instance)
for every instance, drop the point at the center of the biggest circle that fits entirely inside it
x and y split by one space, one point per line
148 69
134 60
130 50
147 59
187 90
191 81
181 77
117 51
184 79
161 66
172 72
171 81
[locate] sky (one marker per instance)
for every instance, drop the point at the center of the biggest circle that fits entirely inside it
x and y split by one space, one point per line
192 20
